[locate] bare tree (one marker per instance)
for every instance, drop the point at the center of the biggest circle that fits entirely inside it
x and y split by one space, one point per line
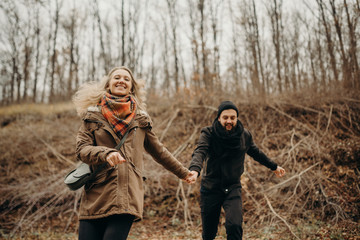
54 54
235 48
346 73
265 84
296 76
352 22
48 51
249 23
133 43
205 76
329 40
102 46
70 26
311 55
142 41
123 32
214 12
13 29
37 50
153 71
275 14
173 25
194 44
93 59
27 33
166 83
321 62
38 65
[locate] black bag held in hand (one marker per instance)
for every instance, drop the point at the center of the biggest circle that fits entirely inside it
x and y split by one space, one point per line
83 174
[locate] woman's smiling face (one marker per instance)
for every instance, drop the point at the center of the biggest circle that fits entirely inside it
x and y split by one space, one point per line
120 83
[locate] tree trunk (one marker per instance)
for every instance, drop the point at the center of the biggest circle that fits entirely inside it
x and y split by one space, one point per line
102 46
216 54
346 71
330 43
172 12
235 50
354 66
54 55
205 78
194 45
123 32
275 18
37 55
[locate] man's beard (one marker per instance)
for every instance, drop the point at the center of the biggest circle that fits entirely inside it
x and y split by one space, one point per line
231 130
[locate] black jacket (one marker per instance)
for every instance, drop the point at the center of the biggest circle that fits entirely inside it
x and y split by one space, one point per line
227 171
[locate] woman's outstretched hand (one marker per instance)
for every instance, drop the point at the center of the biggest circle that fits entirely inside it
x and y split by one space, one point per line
114 158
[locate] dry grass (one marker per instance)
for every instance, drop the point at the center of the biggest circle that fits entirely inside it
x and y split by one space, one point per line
315 139
36 109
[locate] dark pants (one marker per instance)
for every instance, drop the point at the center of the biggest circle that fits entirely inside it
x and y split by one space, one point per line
108 228
211 202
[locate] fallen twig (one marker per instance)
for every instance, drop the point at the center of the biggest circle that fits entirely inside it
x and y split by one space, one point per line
169 124
52 149
277 215
291 178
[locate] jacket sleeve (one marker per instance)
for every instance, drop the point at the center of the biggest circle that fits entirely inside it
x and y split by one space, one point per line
201 151
259 156
161 155
86 149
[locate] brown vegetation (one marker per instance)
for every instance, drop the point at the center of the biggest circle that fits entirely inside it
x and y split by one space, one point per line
317 140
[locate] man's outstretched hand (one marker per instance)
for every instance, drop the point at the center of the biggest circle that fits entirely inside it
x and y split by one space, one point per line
279 172
191 177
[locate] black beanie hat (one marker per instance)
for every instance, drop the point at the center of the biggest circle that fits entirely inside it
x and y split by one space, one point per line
227 105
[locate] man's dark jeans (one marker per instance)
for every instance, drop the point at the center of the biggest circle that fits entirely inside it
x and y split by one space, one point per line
211 202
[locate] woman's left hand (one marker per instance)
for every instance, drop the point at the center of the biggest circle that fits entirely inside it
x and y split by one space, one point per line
114 158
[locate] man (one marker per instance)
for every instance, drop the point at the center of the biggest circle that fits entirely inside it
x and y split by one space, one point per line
222 148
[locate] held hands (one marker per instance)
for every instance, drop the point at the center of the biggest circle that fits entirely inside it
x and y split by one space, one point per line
114 158
191 177
279 172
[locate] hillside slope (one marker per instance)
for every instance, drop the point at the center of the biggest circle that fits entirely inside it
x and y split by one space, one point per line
316 140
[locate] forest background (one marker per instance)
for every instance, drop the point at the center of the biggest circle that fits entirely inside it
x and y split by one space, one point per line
292 68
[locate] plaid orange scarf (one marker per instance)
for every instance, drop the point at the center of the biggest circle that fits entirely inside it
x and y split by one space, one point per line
118 111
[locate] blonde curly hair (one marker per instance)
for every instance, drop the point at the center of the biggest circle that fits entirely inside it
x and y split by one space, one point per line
90 93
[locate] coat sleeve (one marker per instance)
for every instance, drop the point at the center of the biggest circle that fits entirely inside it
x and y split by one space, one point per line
86 149
201 151
161 155
258 155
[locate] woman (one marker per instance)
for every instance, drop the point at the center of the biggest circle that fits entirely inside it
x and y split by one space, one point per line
109 110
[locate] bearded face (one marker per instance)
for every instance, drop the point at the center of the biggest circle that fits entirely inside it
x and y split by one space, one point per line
228 119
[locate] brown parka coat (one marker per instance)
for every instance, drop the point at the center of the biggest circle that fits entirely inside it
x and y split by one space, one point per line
119 189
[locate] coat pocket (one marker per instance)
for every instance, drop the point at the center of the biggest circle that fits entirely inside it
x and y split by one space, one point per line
100 178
